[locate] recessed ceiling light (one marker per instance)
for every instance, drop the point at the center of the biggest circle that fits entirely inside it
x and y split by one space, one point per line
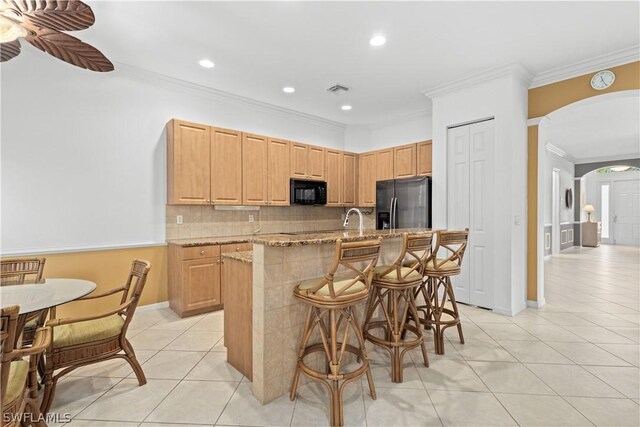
206 63
346 107
288 89
377 40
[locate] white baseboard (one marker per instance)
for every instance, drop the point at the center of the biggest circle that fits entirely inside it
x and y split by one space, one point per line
535 304
152 307
502 311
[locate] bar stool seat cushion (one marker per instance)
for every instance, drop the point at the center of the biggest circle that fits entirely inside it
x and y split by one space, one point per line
87 331
304 287
448 265
17 380
392 276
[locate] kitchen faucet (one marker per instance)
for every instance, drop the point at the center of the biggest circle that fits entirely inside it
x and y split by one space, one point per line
346 218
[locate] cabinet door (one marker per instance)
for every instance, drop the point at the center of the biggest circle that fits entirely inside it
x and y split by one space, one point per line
188 153
201 283
278 172
404 161
317 163
367 179
334 178
349 179
384 164
254 169
299 160
226 167
424 158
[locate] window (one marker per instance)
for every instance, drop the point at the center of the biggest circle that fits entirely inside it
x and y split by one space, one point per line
604 215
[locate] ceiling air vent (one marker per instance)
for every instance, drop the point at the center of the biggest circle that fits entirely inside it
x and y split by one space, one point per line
338 89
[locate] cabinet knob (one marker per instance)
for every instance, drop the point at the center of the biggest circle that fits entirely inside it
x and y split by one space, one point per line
218 262
237 249
202 252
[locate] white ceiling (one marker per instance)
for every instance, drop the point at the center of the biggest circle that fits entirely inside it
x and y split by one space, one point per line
602 129
259 47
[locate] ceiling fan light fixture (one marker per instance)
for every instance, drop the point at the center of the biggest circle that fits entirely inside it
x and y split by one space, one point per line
620 168
10 30
206 63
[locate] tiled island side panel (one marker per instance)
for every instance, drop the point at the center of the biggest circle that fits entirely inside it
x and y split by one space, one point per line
278 317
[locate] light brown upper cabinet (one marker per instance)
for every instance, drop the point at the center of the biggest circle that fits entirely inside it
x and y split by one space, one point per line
307 161
404 161
349 179
424 158
334 178
226 167
367 179
278 172
188 153
316 162
255 168
384 164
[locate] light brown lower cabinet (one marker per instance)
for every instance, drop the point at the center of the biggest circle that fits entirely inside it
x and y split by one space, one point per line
195 277
237 277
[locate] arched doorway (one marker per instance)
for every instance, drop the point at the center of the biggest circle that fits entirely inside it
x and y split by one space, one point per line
580 156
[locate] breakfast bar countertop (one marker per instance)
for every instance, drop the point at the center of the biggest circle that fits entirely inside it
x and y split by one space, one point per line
298 238
322 237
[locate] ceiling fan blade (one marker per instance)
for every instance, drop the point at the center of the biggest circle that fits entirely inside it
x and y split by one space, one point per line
69 49
61 15
9 50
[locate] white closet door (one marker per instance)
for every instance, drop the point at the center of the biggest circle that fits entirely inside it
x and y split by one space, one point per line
458 197
479 256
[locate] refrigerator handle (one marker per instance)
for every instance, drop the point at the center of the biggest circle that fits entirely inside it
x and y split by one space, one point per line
394 208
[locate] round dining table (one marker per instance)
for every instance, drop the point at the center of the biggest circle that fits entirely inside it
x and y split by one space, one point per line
41 296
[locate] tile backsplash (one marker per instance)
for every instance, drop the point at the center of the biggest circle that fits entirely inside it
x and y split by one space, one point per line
206 221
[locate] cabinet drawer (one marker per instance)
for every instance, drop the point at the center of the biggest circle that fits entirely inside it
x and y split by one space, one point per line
196 252
237 247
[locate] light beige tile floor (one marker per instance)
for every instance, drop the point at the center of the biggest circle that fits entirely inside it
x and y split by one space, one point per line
575 361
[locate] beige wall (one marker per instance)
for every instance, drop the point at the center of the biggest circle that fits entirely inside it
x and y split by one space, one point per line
108 269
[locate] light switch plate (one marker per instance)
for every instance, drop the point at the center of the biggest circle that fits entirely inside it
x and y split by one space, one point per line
179 219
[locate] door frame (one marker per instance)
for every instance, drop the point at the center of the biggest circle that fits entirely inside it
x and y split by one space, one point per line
555 211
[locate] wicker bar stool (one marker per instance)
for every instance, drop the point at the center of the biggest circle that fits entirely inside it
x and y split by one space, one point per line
437 288
393 291
332 312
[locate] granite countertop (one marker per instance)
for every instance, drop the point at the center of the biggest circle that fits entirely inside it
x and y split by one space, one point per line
205 241
244 256
319 238
297 239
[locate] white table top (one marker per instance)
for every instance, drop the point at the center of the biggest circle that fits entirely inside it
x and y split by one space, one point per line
36 297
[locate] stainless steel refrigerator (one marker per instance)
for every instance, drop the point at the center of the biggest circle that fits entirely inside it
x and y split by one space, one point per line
403 203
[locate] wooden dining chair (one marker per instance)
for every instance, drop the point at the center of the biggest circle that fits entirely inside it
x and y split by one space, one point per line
86 340
21 272
18 377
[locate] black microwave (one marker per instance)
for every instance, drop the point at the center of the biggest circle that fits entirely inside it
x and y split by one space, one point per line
308 192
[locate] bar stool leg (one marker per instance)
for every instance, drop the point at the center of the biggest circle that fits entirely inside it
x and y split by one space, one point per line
360 337
438 333
452 298
306 334
414 314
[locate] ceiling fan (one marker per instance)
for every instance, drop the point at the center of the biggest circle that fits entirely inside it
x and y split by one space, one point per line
41 22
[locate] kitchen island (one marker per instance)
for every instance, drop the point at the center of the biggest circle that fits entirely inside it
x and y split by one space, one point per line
280 262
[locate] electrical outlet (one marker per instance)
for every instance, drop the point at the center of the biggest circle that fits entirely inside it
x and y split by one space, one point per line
250 218
179 219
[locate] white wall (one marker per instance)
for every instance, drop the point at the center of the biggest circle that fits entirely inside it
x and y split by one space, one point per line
567 173
505 99
84 154
406 130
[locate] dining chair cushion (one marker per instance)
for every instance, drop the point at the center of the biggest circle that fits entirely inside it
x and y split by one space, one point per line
88 331
392 276
448 265
304 287
17 380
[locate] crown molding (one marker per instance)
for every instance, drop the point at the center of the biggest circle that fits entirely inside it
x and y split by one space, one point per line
147 75
559 152
422 112
580 68
619 157
520 71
